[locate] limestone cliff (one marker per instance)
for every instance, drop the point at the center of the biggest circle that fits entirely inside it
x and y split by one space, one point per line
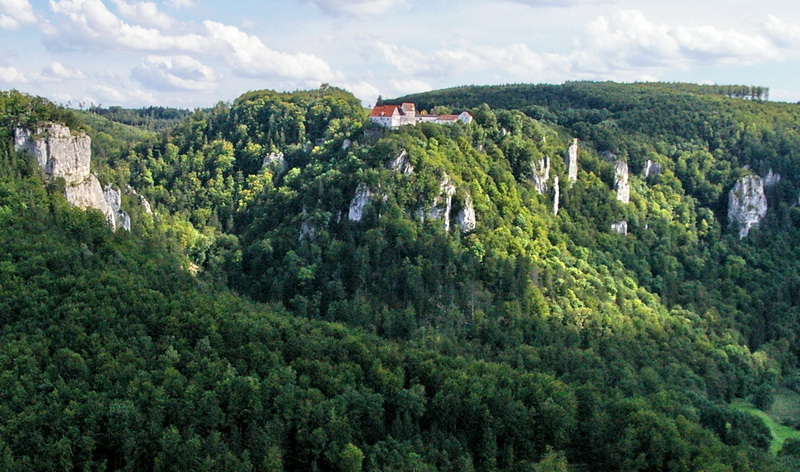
651 169
359 201
747 204
466 216
620 227
402 164
443 203
62 155
541 174
621 183
572 161
556 195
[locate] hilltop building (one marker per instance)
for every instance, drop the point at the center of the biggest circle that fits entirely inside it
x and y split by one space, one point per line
394 116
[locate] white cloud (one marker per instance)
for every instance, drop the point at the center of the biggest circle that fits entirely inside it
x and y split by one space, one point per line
90 23
57 70
782 33
405 87
629 41
11 75
249 56
558 3
15 13
357 8
181 3
625 47
122 96
175 73
145 13
364 91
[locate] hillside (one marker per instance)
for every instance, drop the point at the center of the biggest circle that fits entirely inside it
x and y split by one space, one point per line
434 297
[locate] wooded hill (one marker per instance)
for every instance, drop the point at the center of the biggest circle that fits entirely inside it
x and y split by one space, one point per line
309 292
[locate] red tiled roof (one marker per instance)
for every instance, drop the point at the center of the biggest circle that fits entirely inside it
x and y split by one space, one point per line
384 110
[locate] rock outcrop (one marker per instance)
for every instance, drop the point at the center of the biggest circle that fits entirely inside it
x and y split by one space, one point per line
113 196
466 216
541 174
359 201
556 195
571 160
747 204
651 169
772 178
273 161
443 203
402 164
620 227
62 155
621 183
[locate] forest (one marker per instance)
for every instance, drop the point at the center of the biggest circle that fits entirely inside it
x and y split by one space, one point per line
312 291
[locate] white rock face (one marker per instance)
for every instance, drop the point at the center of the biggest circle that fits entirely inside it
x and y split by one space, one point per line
402 164
651 169
62 155
556 195
541 174
572 161
273 161
772 178
346 144
620 227
58 152
442 203
357 204
119 219
747 204
466 216
621 184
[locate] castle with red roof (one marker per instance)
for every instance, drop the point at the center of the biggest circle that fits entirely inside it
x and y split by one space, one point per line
394 116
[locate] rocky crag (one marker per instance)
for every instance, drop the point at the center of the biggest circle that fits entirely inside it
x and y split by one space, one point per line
747 204
61 154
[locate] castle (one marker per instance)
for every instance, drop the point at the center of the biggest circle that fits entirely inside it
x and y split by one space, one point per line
394 116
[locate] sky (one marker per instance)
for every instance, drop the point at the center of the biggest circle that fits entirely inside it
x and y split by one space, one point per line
196 53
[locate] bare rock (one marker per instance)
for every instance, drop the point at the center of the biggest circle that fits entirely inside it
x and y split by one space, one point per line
466 216
620 227
747 204
621 181
541 174
572 161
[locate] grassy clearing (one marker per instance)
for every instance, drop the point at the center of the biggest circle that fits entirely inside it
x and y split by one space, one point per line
786 406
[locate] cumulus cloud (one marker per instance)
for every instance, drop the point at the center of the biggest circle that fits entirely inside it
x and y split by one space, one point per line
363 90
11 75
357 8
57 70
106 93
629 40
181 3
15 13
405 87
558 3
145 13
249 56
175 73
90 23
781 33
626 46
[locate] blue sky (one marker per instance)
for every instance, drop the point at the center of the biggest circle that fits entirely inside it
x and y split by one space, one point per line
195 53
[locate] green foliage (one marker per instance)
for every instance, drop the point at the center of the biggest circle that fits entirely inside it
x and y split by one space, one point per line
532 342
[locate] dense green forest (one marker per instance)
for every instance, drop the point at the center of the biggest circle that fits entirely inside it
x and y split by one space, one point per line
310 292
